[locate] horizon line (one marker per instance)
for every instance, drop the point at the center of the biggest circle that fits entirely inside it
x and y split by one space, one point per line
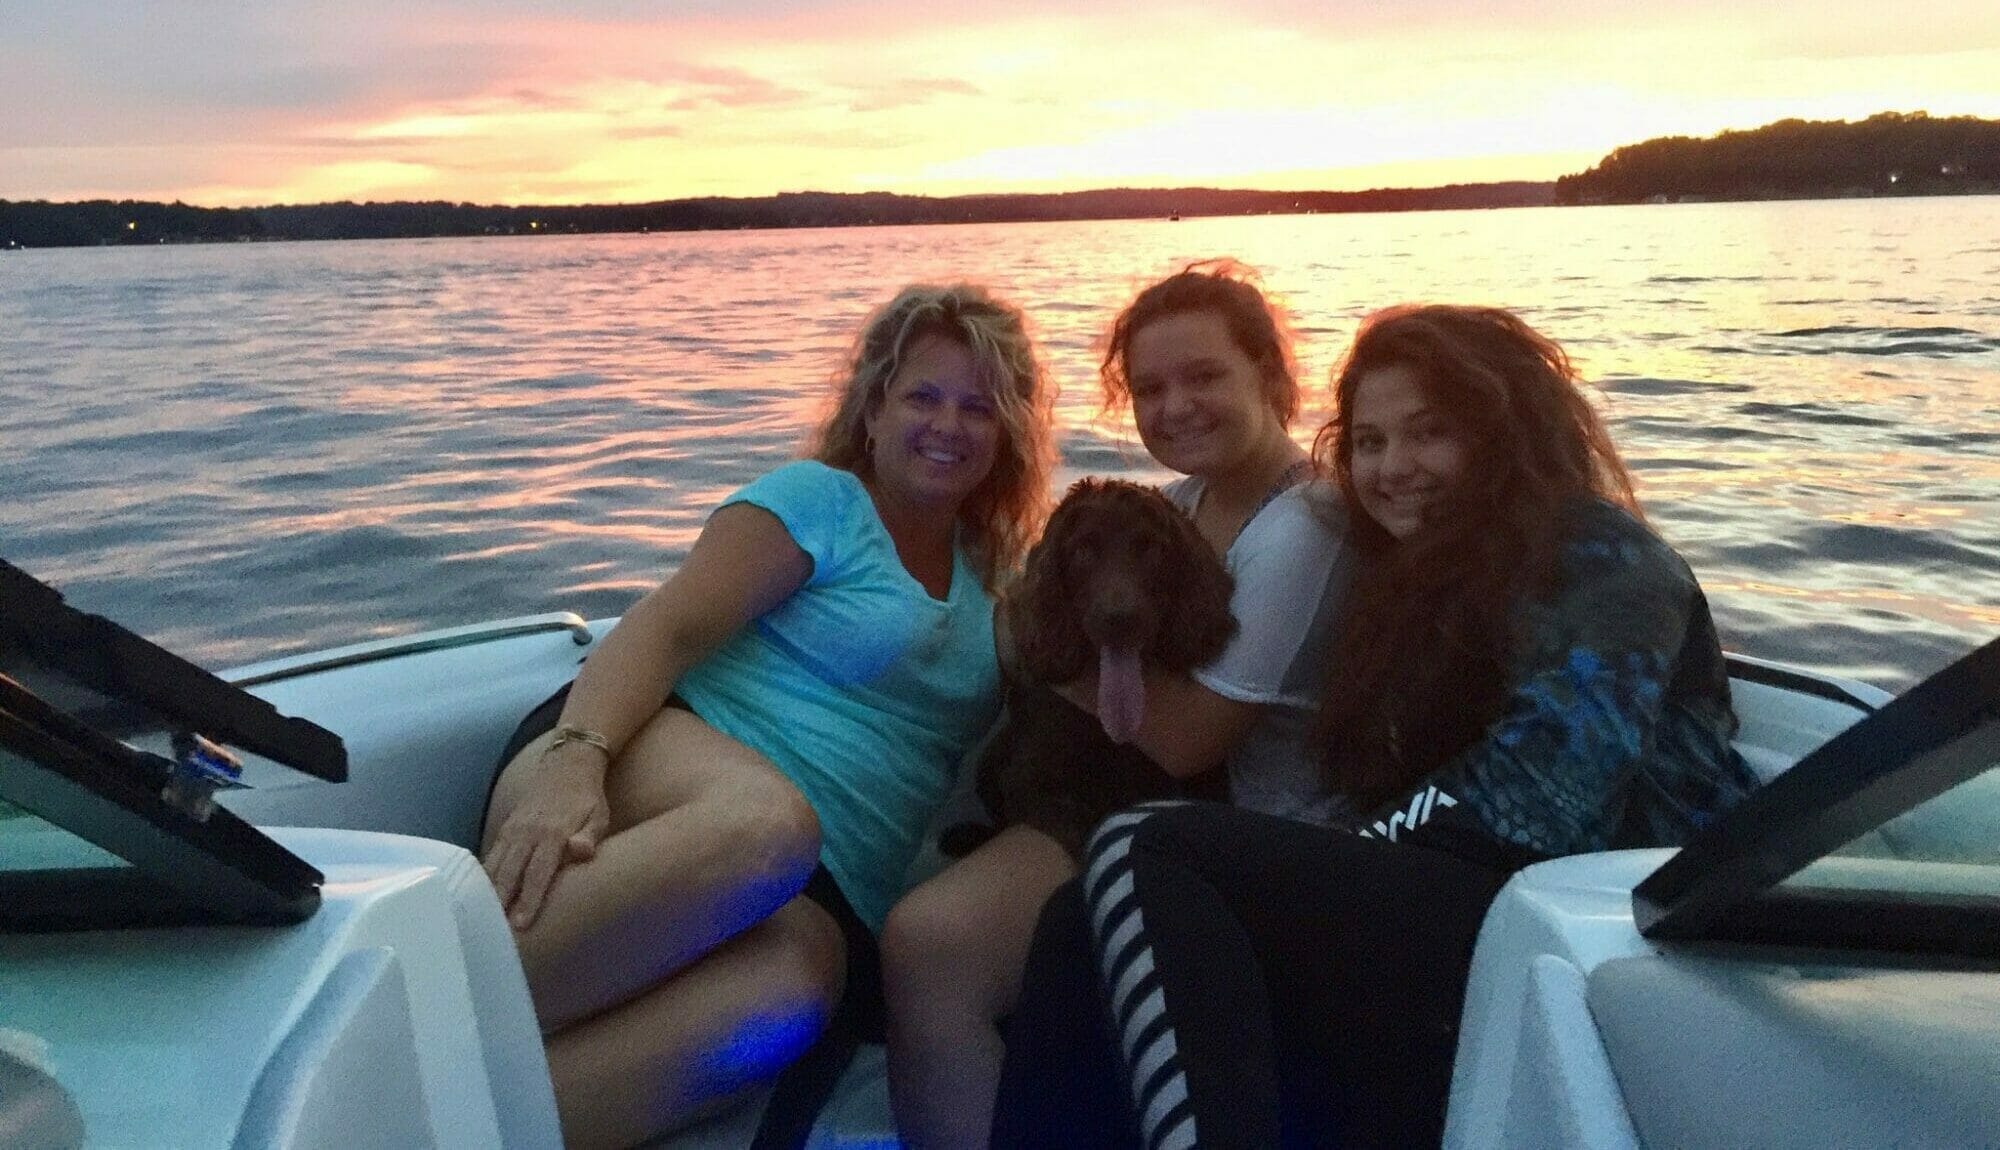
872 193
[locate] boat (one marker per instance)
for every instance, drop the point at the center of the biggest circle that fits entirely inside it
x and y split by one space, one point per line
393 1011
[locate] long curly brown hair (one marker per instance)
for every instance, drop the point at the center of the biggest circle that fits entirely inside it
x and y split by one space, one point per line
1422 668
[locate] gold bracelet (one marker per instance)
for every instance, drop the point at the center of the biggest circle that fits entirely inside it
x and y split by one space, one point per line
569 734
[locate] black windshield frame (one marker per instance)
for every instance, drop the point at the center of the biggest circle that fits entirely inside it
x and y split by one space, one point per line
1727 883
188 862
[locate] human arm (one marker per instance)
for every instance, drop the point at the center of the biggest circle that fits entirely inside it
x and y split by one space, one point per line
743 564
1187 729
1554 773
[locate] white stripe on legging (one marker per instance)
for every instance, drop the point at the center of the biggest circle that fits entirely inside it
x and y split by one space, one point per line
1109 853
1122 991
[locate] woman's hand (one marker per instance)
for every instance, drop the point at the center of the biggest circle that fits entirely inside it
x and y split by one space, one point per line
742 565
559 820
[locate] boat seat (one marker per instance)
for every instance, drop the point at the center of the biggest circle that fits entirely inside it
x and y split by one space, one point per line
1561 918
1579 1033
1961 826
1809 1056
1781 726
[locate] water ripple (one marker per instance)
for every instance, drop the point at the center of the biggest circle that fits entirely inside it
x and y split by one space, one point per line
1811 413
247 450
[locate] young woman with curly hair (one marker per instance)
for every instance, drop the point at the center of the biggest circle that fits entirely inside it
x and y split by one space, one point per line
696 859
1527 671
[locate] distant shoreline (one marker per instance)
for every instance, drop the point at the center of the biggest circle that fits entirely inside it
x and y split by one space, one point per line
26 224
143 223
1890 154
127 223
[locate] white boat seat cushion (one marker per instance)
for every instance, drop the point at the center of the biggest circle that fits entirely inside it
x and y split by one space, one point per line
1738 1053
1780 727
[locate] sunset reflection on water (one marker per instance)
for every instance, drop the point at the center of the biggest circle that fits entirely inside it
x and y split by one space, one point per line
255 449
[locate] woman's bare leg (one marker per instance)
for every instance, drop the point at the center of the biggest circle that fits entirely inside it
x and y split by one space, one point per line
727 1023
952 953
706 840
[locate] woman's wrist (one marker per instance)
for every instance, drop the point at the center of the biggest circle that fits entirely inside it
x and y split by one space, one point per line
571 735
577 750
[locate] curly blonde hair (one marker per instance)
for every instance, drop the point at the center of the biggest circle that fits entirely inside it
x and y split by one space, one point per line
1007 510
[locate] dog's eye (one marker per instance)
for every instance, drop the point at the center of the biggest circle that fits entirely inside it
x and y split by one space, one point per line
1081 554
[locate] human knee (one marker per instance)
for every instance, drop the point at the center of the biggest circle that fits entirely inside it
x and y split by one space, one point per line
1142 827
796 961
927 938
808 953
773 821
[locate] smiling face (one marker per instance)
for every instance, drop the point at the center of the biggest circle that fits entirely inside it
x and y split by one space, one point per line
1201 403
1407 455
936 432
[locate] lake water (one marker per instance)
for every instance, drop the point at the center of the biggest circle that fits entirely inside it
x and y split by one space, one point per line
244 451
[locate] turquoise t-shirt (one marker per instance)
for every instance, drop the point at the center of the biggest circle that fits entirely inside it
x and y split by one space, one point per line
861 688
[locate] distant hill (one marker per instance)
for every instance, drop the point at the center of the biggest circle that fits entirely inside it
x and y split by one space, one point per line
39 223
1890 154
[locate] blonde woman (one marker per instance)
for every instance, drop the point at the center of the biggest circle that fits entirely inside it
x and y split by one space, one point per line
696 859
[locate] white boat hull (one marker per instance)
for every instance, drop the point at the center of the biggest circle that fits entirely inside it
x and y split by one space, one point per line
424 720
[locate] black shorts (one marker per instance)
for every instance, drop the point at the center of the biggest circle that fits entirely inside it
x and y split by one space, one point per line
863 995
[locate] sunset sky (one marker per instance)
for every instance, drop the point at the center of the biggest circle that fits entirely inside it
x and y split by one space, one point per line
229 102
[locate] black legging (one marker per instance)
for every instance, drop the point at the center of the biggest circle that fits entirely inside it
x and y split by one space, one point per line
1220 978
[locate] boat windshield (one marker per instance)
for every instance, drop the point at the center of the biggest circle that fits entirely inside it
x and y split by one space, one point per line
29 842
116 746
1960 827
1946 849
1887 837
105 832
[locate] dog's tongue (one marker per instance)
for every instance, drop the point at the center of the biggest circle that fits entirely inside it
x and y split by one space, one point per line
1121 693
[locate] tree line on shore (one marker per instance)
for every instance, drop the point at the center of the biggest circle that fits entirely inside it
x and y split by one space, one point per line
1887 154
44 224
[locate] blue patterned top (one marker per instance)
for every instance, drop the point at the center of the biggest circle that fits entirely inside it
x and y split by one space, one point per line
1616 730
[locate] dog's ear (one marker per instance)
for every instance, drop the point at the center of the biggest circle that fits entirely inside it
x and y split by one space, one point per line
1202 625
1042 612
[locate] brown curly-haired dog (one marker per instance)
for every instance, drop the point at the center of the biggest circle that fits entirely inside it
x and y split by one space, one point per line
1120 579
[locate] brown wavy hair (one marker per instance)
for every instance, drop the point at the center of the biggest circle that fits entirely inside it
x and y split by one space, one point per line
1422 668
1007 510
1256 323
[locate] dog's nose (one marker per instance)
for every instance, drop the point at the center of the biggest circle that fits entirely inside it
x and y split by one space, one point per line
1114 619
